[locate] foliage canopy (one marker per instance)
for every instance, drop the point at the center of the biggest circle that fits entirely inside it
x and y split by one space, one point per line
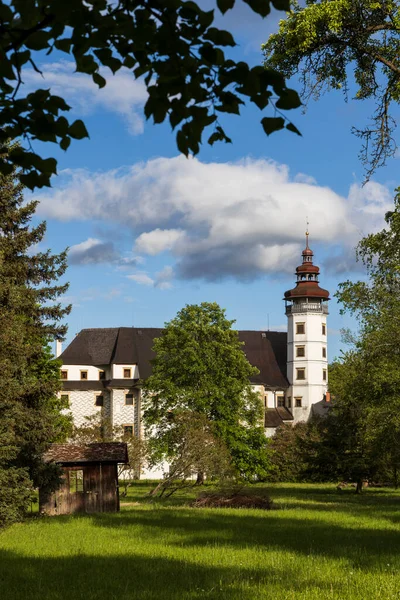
30 412
326 40
172 44
200 367
366 381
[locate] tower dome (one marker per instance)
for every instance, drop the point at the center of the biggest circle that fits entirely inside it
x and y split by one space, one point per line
307 285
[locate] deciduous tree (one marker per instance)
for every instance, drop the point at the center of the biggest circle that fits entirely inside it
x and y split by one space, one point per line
172 44
366 381
328 42
200 367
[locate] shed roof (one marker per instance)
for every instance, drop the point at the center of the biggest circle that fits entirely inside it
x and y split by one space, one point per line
133 345
83 453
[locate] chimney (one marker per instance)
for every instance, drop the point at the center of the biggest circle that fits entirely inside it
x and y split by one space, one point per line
58 348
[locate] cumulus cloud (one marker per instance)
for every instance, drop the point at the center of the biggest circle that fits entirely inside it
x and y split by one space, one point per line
219 220
95 252
141 278
158 240
122 95
92 252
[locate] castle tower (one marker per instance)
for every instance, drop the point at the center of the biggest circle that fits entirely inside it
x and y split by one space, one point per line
307 354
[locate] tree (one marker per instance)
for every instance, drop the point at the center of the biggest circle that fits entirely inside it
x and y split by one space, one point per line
30 412
196 450
171 44
326 40
366 381
200 367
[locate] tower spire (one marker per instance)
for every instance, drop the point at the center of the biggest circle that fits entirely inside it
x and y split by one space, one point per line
307 233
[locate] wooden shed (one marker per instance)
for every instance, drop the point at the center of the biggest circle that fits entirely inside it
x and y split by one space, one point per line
90 478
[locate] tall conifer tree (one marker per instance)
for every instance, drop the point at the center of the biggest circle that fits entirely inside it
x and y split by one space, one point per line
30 412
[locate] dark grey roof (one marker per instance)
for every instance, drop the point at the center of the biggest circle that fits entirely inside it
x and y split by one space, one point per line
133 345
82 453
266 350
277 416
91 347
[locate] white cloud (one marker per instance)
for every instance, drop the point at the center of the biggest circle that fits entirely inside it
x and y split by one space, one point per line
163 278
122 95
94 252
158 240
218 220
141 278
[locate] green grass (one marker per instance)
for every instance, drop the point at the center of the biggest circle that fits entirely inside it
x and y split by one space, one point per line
319 544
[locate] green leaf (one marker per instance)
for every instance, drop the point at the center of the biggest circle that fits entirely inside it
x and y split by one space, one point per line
281 4
182 143
38 40
261 7
288 99
219 37
65 142
78 130
271 124
64 45
99 80
293 128
225 5
86 64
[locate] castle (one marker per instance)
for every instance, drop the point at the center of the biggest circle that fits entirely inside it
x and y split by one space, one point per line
102 368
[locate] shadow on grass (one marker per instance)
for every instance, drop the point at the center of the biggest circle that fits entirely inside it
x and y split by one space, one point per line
362 547
123 577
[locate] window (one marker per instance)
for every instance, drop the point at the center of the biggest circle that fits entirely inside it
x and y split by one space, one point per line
289 401
129 399
323 328
323 352
99 400
281 401
324 374
84 375
64 375
102 374
128 430
127 373
300 373
300 351
75 481
297 402
300 328
65 399
265 401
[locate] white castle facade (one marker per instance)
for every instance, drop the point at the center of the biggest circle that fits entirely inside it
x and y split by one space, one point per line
103 368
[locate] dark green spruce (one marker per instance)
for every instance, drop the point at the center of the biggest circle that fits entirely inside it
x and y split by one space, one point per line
30 317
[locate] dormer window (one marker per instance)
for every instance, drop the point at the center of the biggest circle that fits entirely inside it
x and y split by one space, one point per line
84 375
102 375
64 374
127 373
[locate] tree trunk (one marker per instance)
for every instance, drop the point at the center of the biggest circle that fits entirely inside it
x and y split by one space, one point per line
200 478
359 486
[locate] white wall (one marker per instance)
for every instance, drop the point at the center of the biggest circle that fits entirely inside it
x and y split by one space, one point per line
82 404
74 372
313 388
118 371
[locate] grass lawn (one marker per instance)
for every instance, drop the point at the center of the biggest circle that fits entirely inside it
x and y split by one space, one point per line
319 544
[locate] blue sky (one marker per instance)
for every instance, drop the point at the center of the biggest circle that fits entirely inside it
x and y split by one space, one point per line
150 231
